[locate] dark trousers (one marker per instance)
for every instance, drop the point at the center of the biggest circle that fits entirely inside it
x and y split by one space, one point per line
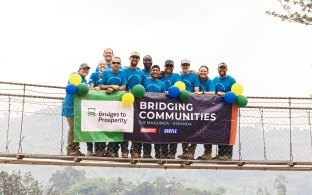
114 146
97 146
208 147
172 148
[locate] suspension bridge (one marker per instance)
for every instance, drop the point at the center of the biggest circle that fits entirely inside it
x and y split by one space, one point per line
273 133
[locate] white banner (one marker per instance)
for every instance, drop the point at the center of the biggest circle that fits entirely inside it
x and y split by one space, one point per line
112 116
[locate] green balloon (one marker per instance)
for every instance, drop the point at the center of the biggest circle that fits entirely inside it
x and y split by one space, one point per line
138 91
241 101
184 95
82 89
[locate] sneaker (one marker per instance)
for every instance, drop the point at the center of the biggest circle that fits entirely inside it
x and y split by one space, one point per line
223 157
90 153
170 156
124 154
205 156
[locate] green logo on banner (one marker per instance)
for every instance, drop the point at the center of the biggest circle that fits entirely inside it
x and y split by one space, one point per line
91 111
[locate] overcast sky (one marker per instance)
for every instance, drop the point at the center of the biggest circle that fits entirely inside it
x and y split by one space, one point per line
42 42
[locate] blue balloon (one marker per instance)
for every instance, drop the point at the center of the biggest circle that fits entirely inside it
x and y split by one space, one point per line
230 97
174 91
71 89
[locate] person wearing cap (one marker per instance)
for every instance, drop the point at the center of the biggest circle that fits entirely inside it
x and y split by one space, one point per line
191 82
99 147
114 79
72 148
223 84
170 78
147 62
153 84
134 77
108 55
206 86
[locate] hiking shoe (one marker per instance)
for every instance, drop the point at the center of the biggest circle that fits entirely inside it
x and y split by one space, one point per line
223 157
135 154
110 154
205 156
183 155
100 153
75 153
90 153
124 155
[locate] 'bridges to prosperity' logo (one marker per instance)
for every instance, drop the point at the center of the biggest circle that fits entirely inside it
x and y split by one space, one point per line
91 111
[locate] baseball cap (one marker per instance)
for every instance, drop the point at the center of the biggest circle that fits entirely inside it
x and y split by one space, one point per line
185 61
222 64
169 62
83 65
135 53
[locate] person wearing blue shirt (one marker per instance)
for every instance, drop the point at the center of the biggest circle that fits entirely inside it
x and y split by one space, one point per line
95 76
108 55
223 84
134 77
153 84
114 80
206 86
72 148
170 78
99 147
191 82
147 62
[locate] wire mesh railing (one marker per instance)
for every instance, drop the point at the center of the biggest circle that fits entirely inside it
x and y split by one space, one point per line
269 128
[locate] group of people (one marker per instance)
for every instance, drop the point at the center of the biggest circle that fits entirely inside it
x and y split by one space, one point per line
111 76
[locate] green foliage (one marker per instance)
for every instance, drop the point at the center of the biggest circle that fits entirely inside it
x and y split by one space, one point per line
61 180
15 183
160 185
299 11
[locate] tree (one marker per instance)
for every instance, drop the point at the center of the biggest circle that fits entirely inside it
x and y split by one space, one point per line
15 183
62 179
280 185
299 11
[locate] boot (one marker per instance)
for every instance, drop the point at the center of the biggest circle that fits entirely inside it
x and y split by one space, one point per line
205 156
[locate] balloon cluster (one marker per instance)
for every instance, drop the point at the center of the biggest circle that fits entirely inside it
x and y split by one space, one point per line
179 89
235 96
137 91
75 86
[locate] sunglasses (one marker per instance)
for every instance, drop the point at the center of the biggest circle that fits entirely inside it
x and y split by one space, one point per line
115 62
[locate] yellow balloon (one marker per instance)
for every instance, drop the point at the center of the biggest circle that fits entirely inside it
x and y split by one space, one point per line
127 99
180 85
75 79
237 89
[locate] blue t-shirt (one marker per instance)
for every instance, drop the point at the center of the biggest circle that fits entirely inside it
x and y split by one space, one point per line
146 73
134 77
170 80
68 103
110 78
95 77
152 85
224 84
206 85
190 80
